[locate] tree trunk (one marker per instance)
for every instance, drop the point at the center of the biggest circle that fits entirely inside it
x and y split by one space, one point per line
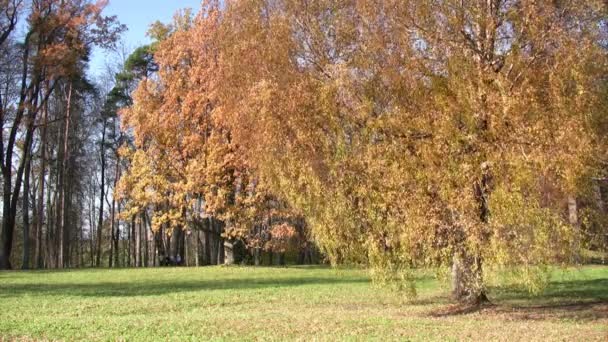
26 212
49 237
42 175
256 256
197 238
574 222
207 249
186 252
213 247
117 238
467 279
228 253
221 253
144 222
10 194
160 248
135 242
112 237
92 227
61 188
102 149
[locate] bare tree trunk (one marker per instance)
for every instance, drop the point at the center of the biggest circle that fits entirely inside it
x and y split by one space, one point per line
92 227
135 242
12 195
51 245
186 247
207 249
129 242
42 175
26 211
256 256
213 245
102 194
146 235
221 253
117 237
112 237
197 247
181 242
161 253
81 244
61 212
67 231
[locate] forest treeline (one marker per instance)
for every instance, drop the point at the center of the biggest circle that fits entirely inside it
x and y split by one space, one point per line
391 134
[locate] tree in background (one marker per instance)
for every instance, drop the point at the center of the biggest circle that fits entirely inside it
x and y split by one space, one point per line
59 35
185 169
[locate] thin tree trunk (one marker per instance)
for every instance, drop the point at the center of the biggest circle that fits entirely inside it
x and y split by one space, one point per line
102 194
61 213
146 235
111 257
213 246
197 247
26 211
128 244
42 175
207 249
117 236
92 227
186 247
221 254
81 243
49 237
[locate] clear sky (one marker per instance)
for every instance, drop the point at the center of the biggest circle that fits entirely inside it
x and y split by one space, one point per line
138 15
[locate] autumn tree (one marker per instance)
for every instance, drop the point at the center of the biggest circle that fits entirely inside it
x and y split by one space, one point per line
185 168
416 133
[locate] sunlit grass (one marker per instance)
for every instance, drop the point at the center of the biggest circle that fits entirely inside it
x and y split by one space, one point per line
284 304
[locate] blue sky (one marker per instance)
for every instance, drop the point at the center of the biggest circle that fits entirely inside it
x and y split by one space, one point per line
138 15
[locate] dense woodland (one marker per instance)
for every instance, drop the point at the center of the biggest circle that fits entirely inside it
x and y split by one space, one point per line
394 134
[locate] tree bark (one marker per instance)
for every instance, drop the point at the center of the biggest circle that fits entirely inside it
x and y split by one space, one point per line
102 194
117 237
197 247
42 175
207 249
144 222
26 211
63 170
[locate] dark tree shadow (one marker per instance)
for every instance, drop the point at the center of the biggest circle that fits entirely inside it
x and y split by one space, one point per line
154 288
579 300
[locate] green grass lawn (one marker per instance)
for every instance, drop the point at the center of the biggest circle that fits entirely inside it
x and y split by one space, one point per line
225 303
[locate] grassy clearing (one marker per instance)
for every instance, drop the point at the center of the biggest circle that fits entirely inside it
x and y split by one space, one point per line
284 304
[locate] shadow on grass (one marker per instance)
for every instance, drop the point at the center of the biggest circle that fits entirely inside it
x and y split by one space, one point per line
578 300
154 288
